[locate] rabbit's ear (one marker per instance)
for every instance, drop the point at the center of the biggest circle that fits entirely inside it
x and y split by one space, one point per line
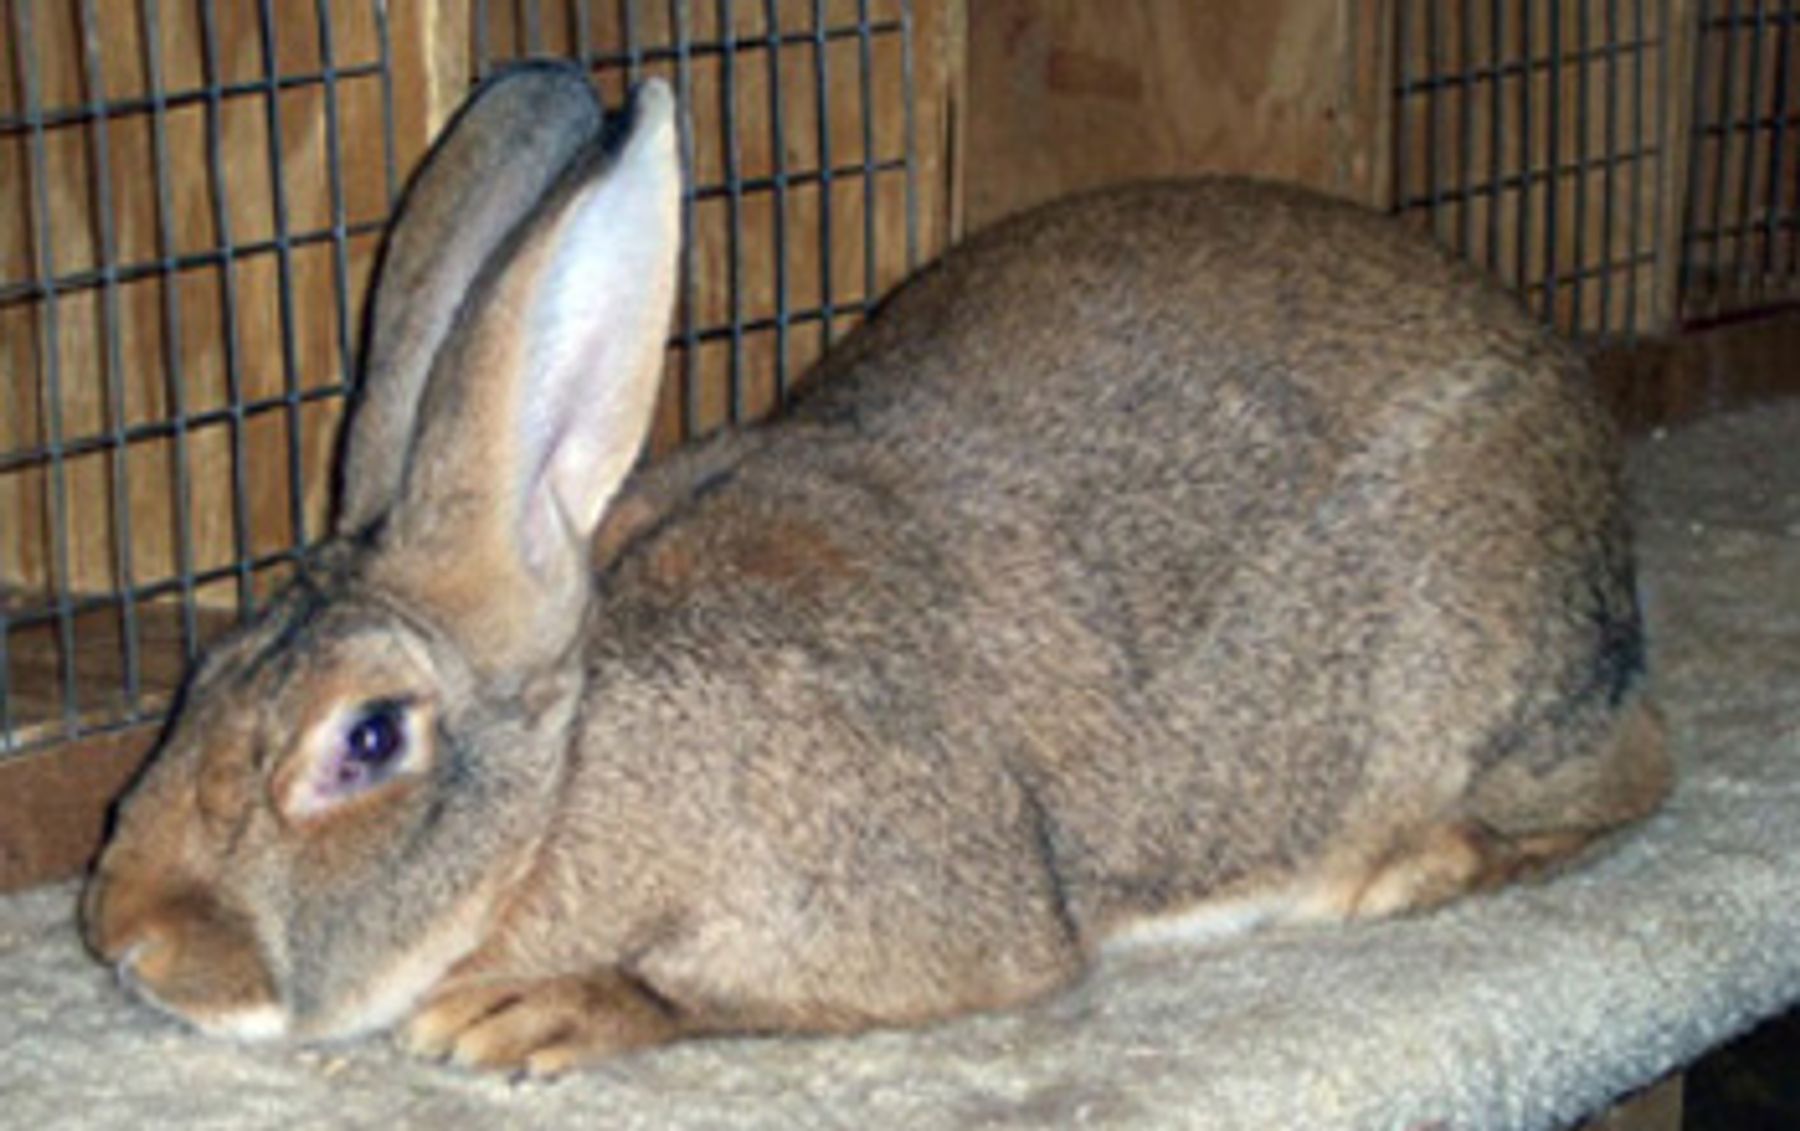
540 401
488 171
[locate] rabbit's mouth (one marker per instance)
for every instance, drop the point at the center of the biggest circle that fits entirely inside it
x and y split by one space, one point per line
248 1022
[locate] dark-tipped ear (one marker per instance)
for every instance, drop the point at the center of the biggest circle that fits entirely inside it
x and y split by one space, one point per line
540 401
489 169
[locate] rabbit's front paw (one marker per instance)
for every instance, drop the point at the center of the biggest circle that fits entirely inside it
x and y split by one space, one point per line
538 1027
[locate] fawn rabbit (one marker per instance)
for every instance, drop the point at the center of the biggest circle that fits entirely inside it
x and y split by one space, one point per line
1166 561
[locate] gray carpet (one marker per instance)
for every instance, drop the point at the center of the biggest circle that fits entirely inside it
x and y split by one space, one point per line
1525 1009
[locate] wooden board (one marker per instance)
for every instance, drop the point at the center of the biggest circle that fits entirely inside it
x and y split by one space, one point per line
1065 95
1499 144
53 805
1656 1108
1660 382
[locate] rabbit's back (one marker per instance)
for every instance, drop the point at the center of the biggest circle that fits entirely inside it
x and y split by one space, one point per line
1203 528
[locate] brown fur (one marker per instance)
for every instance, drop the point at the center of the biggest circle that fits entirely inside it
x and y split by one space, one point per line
1176 545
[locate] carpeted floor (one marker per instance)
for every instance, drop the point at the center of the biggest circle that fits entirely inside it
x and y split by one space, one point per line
1525 1009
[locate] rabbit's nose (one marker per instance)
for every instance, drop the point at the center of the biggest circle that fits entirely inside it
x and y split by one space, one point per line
120 917
142 956
101 927
133 926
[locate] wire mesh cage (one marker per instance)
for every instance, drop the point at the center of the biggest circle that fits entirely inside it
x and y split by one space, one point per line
1531 137
1740 246
199 191
803 205
178 267
1628 165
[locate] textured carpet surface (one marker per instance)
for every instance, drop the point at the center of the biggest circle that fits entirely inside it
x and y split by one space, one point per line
1525 1009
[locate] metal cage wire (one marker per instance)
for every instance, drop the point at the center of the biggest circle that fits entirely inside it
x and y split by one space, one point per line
225 186
633 57
42 626
1533 137
79 658
1528 138
1740 246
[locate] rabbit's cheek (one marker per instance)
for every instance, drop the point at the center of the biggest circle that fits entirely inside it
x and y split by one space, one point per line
341 993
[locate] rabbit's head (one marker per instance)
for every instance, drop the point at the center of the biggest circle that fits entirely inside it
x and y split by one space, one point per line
354 780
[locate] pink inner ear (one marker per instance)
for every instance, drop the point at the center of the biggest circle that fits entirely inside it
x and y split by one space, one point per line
545 529
594 321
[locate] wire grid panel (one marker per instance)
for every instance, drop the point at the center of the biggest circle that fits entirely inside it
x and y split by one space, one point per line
194 191
202 187
1740 246
800 143
1528 138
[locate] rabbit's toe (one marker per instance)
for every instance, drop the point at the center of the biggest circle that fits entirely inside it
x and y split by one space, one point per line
433 1031
539 1028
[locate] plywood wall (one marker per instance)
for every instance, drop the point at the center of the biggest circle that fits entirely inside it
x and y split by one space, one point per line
1065 95
1543 140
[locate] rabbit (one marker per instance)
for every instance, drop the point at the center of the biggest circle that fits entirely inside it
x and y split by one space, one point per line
1171 561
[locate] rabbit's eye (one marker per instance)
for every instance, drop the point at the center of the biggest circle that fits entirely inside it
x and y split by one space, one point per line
356 752
373 744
